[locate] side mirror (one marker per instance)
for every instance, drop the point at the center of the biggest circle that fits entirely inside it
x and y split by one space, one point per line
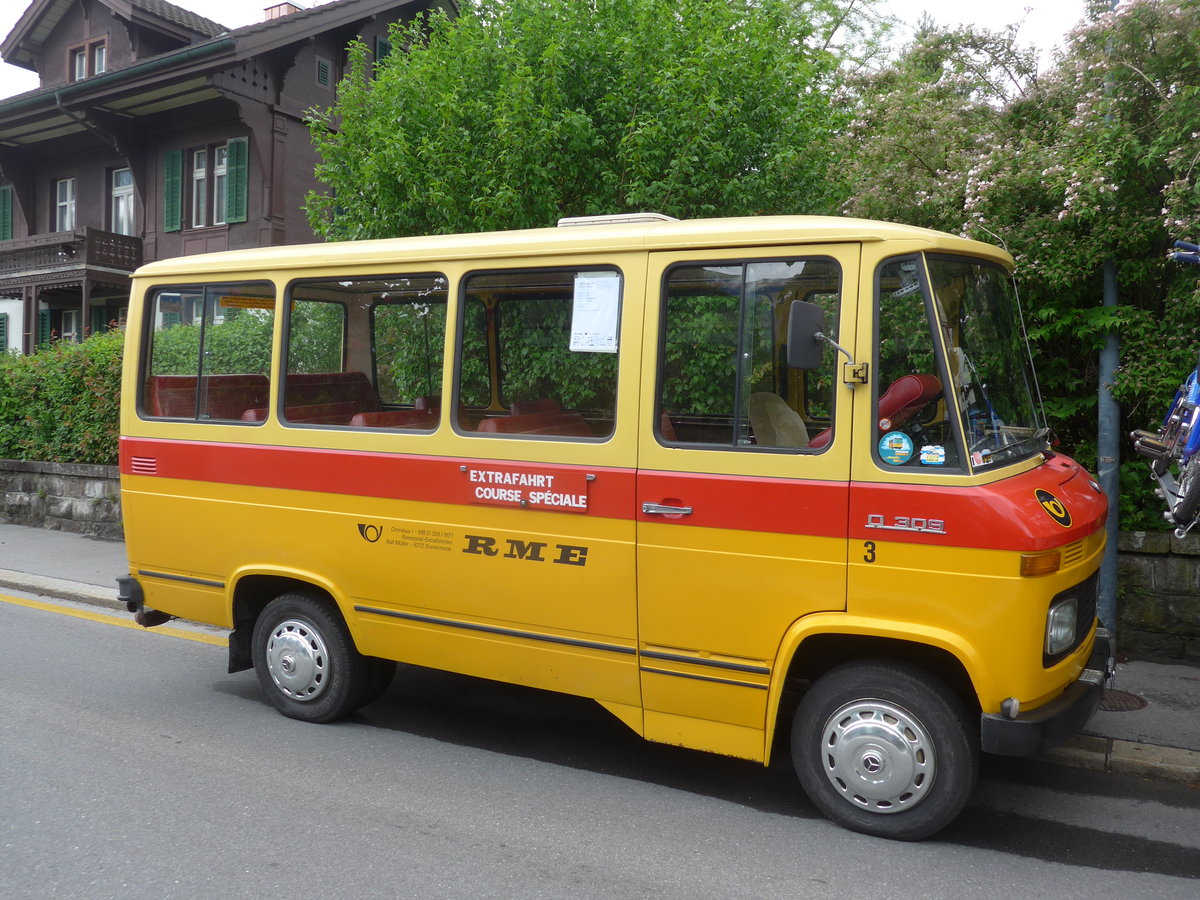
805 336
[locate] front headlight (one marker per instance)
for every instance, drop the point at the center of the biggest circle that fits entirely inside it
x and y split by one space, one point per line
1060 626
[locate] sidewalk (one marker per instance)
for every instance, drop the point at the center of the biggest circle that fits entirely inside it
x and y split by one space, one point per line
1159 740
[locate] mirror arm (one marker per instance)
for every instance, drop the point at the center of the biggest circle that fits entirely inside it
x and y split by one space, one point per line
832 343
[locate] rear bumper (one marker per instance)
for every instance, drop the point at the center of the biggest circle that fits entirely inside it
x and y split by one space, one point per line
129 592
1041 729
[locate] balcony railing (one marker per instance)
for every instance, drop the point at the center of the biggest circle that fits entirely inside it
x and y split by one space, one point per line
68 251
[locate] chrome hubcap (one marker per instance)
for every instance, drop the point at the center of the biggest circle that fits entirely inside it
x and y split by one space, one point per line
297 660
878 756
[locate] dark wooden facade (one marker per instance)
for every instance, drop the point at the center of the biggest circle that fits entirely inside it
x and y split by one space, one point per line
156 133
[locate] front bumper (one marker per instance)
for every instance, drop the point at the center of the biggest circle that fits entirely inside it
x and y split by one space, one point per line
1041 729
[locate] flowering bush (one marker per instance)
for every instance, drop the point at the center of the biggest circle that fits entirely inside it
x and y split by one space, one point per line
1094 160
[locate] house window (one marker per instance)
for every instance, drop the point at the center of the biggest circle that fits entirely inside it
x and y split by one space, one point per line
220 180
64 209
88 59
219 185
70 325
122 201
199 188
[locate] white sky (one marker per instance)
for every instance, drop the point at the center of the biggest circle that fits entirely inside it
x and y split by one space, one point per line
1046 22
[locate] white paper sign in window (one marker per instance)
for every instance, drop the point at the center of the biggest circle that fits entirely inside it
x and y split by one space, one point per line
596 312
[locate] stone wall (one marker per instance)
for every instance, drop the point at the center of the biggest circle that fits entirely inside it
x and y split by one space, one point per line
62 496
1158 595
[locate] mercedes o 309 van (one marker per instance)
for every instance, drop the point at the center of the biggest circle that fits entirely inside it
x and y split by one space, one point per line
752 485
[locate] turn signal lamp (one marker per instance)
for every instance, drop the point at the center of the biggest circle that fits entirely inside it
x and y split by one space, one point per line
1040 563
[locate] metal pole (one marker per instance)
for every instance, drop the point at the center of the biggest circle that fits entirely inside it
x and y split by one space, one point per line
1108 458
1108 455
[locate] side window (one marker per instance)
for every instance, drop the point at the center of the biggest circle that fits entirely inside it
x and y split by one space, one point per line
724 380
912 429
209 353
365 352
537 354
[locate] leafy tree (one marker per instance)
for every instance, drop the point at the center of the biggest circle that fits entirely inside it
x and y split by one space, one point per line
522 111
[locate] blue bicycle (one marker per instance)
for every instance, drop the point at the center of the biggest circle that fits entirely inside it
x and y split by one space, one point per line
1176 443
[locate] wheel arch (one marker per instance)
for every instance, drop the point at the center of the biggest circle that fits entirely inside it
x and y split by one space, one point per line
253 589
811 648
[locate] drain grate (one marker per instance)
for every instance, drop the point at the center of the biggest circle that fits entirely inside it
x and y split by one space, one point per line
1121 701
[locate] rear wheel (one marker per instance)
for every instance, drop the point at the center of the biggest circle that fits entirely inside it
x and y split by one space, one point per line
306 661
885 749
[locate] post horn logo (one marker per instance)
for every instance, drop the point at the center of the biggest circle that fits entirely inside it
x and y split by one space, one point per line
1053 507
370 533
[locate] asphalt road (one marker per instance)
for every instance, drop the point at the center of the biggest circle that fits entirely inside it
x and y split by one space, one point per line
132 766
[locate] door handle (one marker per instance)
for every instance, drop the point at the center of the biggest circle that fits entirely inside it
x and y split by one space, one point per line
660 509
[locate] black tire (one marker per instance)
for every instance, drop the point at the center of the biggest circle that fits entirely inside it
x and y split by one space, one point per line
885 749
1185 507
306 661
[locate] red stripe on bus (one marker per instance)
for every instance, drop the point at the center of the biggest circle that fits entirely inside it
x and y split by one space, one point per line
1002 516
746 503
393 476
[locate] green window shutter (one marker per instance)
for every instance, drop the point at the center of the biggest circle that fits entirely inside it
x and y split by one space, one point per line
383 47
6 217
237 180
3 332
173 190
43 327
99 319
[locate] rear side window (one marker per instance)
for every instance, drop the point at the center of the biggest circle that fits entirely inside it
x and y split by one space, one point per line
724 382
537 355
209 356
365 352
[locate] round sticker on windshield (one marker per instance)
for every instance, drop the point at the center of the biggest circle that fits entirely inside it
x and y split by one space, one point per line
895 448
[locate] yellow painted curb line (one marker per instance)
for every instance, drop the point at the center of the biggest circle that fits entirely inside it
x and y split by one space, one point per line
115 620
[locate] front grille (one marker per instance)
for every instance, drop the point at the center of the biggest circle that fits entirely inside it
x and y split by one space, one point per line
1086 596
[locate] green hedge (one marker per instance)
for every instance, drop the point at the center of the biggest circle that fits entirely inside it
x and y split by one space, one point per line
61 404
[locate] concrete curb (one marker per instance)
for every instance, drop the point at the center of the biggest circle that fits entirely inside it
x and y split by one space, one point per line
1103 754
61 588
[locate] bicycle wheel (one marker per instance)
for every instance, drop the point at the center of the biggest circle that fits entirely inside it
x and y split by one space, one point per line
1188 499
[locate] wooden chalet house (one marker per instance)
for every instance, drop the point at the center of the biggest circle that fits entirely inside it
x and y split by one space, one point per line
156 133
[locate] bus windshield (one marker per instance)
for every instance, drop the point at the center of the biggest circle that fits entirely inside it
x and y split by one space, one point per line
988 360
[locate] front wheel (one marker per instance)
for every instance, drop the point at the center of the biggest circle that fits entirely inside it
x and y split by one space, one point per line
306 661
885 749
1189 493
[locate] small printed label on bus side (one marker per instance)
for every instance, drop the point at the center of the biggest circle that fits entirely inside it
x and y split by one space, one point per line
553 489
906 523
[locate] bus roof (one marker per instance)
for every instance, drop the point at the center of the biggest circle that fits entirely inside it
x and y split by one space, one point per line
632 235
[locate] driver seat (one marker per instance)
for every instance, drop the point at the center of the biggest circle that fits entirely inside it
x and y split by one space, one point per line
904 398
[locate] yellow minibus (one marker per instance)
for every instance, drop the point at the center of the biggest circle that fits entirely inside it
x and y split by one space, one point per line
749 484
